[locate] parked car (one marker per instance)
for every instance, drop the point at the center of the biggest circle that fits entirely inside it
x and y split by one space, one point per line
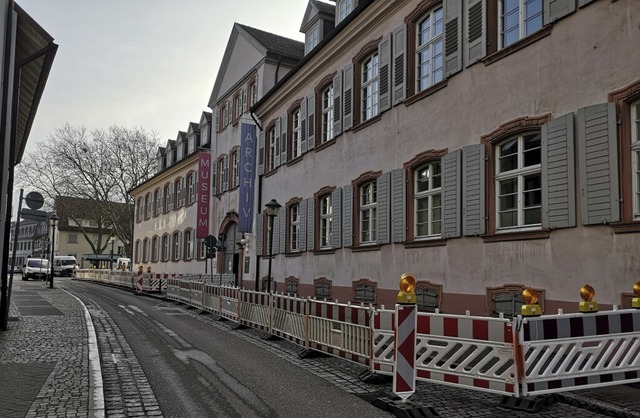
35 268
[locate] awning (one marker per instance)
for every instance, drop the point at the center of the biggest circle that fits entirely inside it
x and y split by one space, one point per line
35 51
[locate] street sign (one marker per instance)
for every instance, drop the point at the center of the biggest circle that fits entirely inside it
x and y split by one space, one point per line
210 241
34 215
34 200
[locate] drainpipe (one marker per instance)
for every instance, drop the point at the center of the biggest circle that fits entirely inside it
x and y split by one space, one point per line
275 81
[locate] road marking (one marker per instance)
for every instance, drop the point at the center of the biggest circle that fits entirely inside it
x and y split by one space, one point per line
127 310
140 311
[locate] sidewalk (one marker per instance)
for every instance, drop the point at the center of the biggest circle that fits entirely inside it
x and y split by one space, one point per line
44 354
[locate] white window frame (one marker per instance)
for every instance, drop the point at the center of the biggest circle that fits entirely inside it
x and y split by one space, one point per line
635 157
370 86
179 194
165 248
433 189
154 249
224 173
272 148
159 202
179 151
431 70
327 113
294 233
368 212
192 187
296 143
149 205
519 174
235 167
176 247
326 219
169 199
312 36
523 19
192 144
344 7
188 240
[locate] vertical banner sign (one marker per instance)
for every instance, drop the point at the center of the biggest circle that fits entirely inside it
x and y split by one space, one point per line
203 187
247 177
404 376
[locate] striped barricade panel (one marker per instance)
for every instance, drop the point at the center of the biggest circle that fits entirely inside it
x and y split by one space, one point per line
465 351
211 299
340 330
164 283
154 282
229 303
383 342
146 284
197 290
579 351
173 289
254 309
288 321
184 295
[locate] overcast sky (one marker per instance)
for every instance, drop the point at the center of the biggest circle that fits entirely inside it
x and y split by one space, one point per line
147 63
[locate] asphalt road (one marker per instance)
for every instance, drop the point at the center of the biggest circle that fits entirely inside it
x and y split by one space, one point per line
154 352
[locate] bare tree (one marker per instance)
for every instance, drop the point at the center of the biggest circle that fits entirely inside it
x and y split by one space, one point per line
100 166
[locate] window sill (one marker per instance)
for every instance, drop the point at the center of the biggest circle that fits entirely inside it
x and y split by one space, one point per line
522 43
517 236
425 93
426 243
324 251
366 123
325 144
295 160
271 172
293 254
364 248
626 228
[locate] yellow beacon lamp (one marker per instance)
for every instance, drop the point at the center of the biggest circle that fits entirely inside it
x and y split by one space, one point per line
587 292
531 307
635 302
407 293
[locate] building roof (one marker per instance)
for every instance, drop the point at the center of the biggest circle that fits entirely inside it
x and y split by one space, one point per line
275 43
317 8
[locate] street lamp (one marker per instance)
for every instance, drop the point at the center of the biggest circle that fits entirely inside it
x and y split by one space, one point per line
273 208
112 240
54 222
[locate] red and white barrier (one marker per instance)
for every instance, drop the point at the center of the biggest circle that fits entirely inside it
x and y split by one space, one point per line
404 376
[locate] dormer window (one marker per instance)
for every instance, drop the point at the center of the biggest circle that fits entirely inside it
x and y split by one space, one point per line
344 8
179 154
311 39
169 158
192 144
204 136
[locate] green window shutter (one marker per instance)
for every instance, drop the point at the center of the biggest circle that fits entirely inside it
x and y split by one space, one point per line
476 31
302 237
276 157
382 208
214 177
451 194
336 210
337 101
347 216
384 60
598 162
452 37
473 195
398 202
283 229
276 234
259 232
303 125
283 139
558 174
311 121
399 63
311 215
556 9
261 153
347 98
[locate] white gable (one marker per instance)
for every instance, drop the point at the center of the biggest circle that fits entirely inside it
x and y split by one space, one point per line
243 58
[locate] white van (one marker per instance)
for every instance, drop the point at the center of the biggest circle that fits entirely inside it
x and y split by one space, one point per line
63 265
123 263
35 268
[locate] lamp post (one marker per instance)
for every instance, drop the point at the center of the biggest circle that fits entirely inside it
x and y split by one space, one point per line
273 208
54 222
112 240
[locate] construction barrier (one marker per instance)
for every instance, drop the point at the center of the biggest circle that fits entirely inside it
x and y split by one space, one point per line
575 351
522 357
